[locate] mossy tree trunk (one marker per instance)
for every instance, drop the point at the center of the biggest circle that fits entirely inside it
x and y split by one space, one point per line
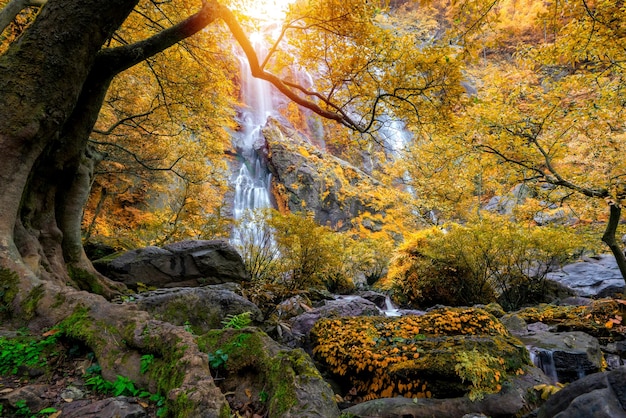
52 84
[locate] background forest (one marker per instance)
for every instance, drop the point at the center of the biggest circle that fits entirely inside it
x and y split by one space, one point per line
512 128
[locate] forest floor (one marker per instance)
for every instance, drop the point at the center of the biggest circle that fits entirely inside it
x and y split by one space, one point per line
59 389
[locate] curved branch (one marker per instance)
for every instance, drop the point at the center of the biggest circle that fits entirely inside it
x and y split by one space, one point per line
13 8
258 72
141 162
121 58
556 180
122 121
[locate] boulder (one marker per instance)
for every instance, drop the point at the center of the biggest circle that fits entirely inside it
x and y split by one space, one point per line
33 396
591 277
186 263
203 308
600 395
445 353
515 398
262 377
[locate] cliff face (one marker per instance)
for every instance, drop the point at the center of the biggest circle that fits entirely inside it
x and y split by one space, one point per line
305 178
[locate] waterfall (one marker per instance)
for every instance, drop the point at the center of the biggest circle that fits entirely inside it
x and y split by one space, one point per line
544 360
252 180
390 308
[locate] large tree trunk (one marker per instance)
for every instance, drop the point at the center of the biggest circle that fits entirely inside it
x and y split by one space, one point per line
41 78
52 84
54 81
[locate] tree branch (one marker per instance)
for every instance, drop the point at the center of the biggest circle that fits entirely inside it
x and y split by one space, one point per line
13 8
121 58
258 72
141 162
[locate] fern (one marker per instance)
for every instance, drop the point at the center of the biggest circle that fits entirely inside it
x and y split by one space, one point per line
238 321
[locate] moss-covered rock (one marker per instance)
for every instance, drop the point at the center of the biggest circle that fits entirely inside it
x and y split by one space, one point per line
444 353
602 319
202 308
120 335
254 369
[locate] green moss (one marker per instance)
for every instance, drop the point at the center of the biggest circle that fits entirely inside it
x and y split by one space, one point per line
8 290
183 311
29 304
181 407
283 396
81 326
248 350
85 280
226 412
59 300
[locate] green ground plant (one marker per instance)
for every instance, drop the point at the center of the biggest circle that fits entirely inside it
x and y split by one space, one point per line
25 351
122 386
238 321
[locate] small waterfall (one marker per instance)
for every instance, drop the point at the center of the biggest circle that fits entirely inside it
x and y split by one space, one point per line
544 360
252 181
390 309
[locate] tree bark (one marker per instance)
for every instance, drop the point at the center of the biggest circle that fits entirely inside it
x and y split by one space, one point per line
609 238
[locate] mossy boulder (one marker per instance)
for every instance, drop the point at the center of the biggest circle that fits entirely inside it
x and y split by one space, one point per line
601 319
258 373
444 353
202 308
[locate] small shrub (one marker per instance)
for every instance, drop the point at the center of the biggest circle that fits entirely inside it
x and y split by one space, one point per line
479 262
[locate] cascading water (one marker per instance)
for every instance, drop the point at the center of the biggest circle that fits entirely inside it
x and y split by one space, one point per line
253 178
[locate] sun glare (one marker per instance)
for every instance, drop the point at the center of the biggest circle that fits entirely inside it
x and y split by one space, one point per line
266 11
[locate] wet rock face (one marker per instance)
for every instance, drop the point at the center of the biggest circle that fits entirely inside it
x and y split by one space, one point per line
565 356
185 263
310 179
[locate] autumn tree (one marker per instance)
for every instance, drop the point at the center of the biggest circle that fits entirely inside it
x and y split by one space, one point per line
54 79
544 107
162 134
